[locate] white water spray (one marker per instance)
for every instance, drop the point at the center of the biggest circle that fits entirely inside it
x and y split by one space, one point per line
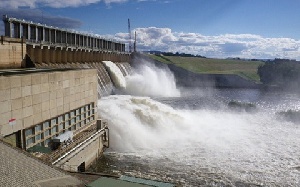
115 74
252 148
249 147
152 81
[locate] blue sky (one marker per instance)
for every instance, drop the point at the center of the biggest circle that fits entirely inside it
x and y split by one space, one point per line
213 28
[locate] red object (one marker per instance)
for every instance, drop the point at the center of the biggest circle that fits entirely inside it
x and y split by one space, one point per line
12 120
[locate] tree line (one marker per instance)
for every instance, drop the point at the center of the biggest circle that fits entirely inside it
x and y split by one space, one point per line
283 73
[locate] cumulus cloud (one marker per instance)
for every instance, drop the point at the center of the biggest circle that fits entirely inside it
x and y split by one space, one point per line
52 3
220 46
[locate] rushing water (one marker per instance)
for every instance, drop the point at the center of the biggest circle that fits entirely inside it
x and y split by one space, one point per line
197 140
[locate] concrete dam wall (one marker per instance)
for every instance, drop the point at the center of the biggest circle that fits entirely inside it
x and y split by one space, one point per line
51 81
34 45
105 83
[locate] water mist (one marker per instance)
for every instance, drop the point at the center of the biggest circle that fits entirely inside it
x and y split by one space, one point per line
150 80
197 146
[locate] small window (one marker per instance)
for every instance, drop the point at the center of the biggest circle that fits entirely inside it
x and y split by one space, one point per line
47 133
60 127
77 125
30 141
66 116
53 122
72 113
60 119
38 128
72 121
67 123
53 130
46 124
38 137
29 132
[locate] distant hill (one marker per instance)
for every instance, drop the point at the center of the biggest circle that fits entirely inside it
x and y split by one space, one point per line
243 68
202 72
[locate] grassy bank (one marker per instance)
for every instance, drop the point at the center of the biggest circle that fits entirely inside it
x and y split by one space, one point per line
246 69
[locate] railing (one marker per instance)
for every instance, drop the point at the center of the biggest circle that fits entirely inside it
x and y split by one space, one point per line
80 146
77 140
70 45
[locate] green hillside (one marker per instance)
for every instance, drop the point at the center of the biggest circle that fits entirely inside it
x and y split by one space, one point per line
243 68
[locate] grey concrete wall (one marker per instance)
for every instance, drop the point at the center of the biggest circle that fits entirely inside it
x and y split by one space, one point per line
40 54
35 97
12 52
88 155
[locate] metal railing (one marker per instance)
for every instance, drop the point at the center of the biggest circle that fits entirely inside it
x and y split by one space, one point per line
80 146
80 137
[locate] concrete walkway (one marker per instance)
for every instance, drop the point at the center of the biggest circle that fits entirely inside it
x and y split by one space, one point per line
19 169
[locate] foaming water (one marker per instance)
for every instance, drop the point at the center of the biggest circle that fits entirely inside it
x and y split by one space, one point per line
115 74
202 146
150 80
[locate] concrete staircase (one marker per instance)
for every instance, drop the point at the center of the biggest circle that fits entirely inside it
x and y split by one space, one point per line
19 169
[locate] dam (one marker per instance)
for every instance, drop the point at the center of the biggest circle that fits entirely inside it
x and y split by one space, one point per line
50 83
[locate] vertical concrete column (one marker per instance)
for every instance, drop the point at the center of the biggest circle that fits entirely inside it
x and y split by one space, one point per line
43 34
30 52
28 32
95 57
6 25
58 54
90 42
70 56
66 38
75 55
75 39
87 42
83 56
91 56
36 33
105 56
78 56
52 55
64 57
46 55
38 54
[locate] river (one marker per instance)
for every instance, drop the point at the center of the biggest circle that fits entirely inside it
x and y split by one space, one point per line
203 137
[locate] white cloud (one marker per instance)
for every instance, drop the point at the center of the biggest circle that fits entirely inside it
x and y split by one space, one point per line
52 3
220 46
